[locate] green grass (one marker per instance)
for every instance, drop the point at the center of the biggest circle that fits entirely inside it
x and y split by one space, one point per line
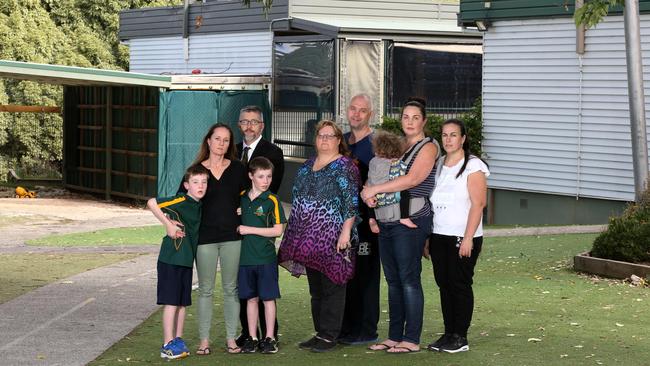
145 235
22 273
524 289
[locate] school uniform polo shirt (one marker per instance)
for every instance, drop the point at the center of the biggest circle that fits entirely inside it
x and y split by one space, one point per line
264 211
186 210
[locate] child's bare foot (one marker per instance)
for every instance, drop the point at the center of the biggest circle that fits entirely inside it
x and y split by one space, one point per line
373 226
408 223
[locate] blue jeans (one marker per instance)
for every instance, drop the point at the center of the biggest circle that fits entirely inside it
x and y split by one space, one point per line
400 250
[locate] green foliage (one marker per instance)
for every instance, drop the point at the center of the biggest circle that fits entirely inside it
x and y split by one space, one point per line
627 237
473 121
64 32
593 11
266 3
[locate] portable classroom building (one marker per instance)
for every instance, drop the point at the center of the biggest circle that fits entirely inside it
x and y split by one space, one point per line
556 121
319 53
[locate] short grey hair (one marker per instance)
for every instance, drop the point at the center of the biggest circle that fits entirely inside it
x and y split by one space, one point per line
253 108
364 96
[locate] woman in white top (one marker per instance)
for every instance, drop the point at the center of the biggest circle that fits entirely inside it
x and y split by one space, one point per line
458 201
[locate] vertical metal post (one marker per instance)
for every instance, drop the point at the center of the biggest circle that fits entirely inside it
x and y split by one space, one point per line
636 96
108 150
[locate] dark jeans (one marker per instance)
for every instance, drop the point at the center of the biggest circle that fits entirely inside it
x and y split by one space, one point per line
362 295
327 304
261 331
454 276
400 249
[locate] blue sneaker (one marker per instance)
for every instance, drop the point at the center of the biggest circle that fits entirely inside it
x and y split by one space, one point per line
180 343
172 351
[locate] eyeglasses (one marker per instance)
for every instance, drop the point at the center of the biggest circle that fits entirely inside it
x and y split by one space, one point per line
326 137
251 122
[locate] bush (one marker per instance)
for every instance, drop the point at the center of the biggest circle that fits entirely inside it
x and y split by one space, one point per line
627 237
473 121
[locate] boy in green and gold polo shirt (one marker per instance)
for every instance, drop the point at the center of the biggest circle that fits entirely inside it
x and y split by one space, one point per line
262 218
181 216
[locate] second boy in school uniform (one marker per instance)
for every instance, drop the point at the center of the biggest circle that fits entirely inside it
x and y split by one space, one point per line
262 221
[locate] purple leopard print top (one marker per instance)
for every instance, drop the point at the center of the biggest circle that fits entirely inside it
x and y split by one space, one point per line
322 201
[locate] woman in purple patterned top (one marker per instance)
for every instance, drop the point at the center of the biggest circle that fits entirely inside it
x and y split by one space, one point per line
320 231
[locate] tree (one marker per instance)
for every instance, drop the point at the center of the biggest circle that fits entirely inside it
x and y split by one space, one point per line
63 32
593 12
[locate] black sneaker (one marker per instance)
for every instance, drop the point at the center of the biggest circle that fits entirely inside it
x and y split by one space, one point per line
435 346
241 340
455 344
250 346
308 344
268 345
323 345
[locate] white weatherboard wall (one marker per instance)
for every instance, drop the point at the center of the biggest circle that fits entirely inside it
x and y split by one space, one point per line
229 53
555 122
365 9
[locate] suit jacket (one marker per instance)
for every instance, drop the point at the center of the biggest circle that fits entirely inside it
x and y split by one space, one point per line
270 151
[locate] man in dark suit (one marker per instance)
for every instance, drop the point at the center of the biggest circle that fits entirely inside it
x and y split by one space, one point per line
251 125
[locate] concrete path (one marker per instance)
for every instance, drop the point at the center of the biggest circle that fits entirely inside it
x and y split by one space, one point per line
73 321
545 230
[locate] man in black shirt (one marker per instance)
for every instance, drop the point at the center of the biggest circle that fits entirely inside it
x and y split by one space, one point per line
362 296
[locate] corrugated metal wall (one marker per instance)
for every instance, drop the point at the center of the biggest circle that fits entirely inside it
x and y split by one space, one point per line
555 123
234 53
368 9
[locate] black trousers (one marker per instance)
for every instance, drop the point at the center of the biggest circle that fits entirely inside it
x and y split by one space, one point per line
327 305
454 277
261 331
362 296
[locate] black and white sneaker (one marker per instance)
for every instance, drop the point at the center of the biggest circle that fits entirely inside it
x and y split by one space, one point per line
241 340
455 344
268 345
435 346
250 346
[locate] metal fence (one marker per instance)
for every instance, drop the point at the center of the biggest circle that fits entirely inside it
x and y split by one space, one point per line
294 131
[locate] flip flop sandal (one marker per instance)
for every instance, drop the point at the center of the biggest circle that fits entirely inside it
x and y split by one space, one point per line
203 351
231 350
402 350
380 347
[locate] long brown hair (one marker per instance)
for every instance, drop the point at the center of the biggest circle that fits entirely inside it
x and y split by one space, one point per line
343 146
204 150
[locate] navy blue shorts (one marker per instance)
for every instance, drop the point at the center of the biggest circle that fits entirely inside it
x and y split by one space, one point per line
174 285
259 281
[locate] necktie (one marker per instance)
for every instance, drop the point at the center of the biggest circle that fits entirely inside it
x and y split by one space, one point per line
244 157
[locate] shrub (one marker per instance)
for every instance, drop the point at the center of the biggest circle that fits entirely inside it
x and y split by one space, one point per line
473 121
627 237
